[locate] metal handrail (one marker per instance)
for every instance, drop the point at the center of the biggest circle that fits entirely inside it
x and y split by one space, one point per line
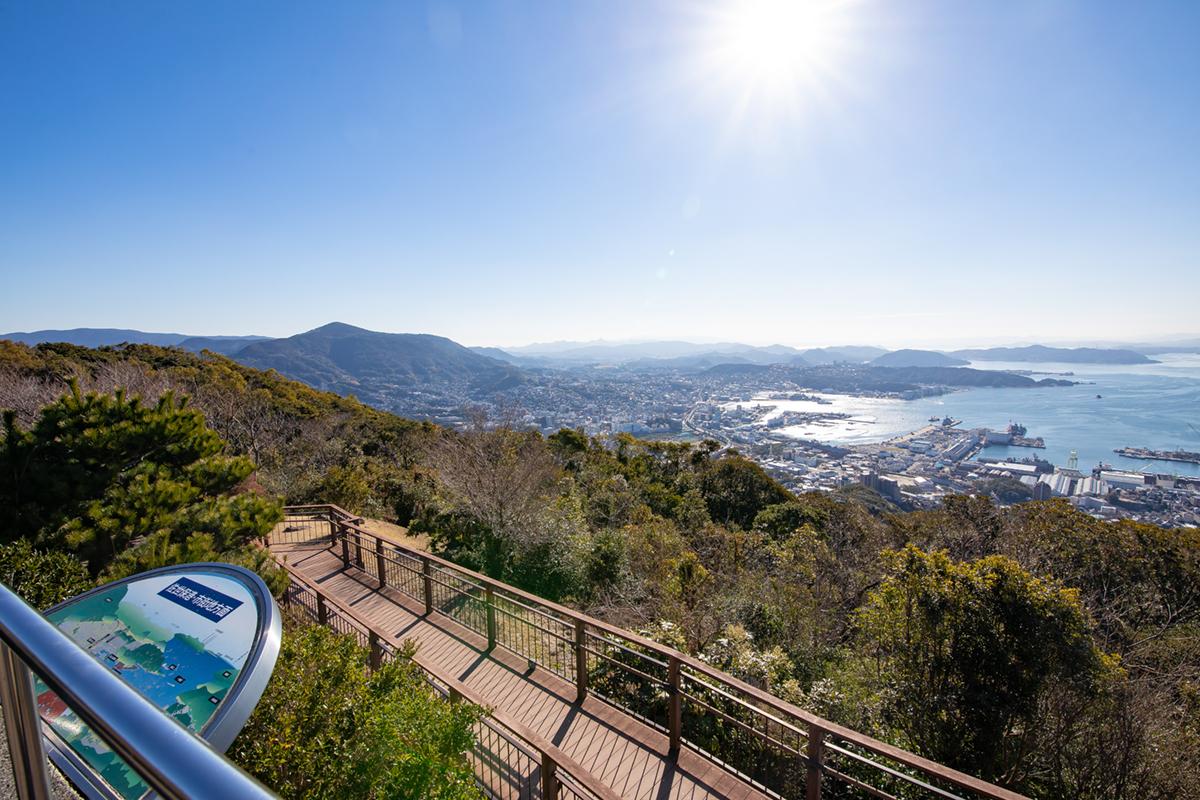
822 735
169 758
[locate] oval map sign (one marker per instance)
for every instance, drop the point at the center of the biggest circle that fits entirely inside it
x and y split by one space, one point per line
197 640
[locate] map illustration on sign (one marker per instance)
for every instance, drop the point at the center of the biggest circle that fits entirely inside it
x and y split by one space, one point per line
180 637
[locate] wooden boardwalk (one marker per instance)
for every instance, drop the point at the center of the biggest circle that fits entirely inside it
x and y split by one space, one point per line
625 754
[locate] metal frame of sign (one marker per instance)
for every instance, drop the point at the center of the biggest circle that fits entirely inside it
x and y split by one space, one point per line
239 701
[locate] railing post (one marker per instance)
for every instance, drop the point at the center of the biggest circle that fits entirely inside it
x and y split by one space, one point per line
549 778
379 562
358 561
816 755
489 599
675 698
581 666
322 610
376 650
341 534
427 575
24 727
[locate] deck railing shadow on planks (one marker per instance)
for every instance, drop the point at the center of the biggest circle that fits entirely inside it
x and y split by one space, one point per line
777 747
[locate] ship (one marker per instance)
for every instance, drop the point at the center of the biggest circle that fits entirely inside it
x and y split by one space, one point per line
1146 454
1017 429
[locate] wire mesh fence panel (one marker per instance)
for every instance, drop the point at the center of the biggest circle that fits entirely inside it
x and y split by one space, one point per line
627 675
301 600
459 599
851 770
361 549
302 529
543 639
403 572
503 767
759 744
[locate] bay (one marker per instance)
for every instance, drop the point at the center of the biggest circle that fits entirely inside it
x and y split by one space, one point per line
1145 405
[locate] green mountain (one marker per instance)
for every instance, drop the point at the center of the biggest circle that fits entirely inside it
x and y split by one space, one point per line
382 369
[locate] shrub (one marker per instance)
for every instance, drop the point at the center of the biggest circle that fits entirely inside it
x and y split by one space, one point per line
329 727
42 578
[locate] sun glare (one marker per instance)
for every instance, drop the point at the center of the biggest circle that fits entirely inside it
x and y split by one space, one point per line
775 54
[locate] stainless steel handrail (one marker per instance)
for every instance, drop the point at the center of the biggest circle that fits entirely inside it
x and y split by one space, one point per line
174 762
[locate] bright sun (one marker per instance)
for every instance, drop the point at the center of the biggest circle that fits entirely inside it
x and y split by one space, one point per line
774 51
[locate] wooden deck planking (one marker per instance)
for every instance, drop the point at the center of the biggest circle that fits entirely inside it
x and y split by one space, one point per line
623 752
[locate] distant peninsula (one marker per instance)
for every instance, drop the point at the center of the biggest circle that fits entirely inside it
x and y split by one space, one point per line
917 358
1060 355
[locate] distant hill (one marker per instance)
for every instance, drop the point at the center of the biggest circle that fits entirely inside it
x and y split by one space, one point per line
102 337
729 370
1172 346
96 337
834 355
225 345
916 358
696 362
380 368
1064 355
569 353
496 353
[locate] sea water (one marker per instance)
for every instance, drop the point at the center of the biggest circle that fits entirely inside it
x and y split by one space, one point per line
1145 405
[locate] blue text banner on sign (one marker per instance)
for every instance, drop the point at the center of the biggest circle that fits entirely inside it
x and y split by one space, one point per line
208 603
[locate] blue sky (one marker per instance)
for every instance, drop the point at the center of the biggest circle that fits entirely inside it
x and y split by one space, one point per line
925 172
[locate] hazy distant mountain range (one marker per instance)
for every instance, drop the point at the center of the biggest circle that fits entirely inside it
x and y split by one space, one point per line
372 365
100 337
625 352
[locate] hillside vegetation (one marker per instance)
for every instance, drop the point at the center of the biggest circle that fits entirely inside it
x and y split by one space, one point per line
1034 646
98 484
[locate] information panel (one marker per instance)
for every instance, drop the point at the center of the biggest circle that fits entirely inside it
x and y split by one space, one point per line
198 640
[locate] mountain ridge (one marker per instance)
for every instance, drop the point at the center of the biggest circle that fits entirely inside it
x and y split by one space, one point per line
371 365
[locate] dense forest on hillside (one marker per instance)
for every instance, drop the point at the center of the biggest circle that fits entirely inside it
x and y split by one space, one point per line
1033 646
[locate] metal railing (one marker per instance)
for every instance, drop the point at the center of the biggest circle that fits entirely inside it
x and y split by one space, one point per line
169 758
509 759
774 745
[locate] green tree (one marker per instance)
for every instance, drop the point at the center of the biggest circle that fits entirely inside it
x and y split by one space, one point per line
965 654
98 474
329 727
781 520
345 486
736 490
1005 488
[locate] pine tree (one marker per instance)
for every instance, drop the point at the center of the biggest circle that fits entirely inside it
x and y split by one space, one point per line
101 475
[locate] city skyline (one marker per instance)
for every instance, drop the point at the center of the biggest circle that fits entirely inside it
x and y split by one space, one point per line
932 175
